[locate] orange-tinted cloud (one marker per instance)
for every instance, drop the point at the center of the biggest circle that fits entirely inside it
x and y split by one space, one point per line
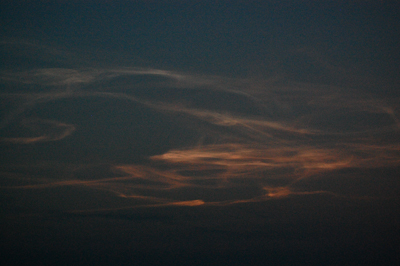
294 135
51 131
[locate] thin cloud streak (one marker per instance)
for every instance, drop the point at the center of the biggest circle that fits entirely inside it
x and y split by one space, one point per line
55 131
277 144
225 165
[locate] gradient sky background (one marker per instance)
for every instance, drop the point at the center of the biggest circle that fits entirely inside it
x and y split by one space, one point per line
199 132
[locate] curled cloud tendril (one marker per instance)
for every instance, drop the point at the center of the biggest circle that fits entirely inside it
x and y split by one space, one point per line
292 133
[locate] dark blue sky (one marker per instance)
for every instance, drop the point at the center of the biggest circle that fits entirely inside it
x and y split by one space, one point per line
234 37
199 132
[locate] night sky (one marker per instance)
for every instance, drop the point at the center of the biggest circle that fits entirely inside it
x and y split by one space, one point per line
199 132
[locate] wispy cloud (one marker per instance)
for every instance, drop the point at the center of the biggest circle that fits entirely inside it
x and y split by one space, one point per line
50 131
297 131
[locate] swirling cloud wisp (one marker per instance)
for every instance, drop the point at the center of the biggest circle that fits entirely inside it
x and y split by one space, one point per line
257 140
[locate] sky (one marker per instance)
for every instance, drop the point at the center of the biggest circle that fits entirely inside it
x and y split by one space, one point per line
199 132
